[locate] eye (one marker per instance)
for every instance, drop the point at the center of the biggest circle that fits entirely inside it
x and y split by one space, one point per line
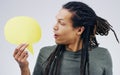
62 23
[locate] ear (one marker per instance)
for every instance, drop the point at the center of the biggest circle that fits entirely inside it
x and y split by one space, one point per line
94 31
80 30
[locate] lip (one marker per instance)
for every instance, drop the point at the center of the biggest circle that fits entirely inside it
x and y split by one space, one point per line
56 35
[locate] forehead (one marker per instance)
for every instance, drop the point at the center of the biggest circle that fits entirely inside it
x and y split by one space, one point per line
64 14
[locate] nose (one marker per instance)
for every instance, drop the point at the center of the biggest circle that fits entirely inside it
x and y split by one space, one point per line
55 27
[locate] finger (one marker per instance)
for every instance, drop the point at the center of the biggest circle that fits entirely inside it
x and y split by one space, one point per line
17 49
24 47
19 52
22 55
25 57
20 48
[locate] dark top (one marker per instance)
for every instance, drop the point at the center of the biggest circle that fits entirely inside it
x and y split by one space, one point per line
99 59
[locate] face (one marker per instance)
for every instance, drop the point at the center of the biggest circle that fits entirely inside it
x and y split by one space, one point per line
64 32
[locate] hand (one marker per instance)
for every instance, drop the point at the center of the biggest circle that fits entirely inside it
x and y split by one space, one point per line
21 56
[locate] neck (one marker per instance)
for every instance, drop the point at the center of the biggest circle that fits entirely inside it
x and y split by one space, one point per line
75 46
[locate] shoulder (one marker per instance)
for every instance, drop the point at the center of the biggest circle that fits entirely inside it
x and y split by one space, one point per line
102 57
102 54
101 50
45 52
47 49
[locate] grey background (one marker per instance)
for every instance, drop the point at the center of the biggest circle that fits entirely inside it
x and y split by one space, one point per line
44 11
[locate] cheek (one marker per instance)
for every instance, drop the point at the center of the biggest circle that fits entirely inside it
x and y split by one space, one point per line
66 32
67 35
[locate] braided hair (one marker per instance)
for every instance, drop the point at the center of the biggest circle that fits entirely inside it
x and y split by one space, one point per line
83 15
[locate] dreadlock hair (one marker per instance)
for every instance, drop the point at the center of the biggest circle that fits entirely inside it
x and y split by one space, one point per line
83 15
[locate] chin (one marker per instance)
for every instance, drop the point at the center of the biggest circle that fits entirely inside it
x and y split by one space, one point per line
59 42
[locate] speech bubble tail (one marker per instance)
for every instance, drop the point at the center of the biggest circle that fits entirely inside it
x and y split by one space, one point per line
30 48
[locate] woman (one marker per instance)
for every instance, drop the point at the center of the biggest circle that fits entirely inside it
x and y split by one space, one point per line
77 51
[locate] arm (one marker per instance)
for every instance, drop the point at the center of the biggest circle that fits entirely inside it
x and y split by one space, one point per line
40 60
25 71
108 64
21 56
42 57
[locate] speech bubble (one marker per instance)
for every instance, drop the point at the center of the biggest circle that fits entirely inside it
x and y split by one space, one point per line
23 29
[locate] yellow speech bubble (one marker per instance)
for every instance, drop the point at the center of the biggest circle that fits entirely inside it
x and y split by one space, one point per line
22 29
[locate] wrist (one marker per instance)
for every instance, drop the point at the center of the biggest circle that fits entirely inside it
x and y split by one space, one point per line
24 68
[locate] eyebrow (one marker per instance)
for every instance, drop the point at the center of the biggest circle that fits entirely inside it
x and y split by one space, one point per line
59 18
